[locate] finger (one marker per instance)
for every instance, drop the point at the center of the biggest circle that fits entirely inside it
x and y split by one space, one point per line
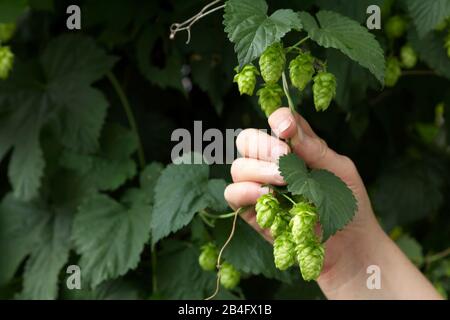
244 194
306 144
248 169
257 144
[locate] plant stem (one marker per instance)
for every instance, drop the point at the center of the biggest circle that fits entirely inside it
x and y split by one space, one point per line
286 92
289 198
438 256
215 216
295 46
130 116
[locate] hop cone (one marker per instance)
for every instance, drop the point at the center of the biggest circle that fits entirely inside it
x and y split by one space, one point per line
6 62
272 63
6 31
447 44
393 72
395 27
310 258
229 276
408 56
301 70
208 257
246 79
270 98
279 225
284 251
303 222
266 208
324 90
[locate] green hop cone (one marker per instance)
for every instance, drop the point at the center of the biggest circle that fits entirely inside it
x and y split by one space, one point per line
246 79
279 225
442 25
229 276
266 208
6 62
408 56
395 27
6 31
393 72
303 222
324 90
310 259
301 70
284 251
270 98
208 257
272 63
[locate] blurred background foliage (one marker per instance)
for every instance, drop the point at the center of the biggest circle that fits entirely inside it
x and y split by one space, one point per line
396 136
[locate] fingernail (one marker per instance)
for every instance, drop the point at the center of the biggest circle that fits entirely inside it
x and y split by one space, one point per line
263 191
283 126
277 152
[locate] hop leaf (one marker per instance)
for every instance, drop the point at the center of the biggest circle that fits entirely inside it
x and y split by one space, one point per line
310 258
229 276
279 225
284 251
393 71
395 27
246 79
408 56
6 62
270 98
266 208
6 31
208 257
301 70
272 63
303 222
324 90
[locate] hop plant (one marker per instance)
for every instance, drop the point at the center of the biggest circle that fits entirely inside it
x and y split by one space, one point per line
208 257
447 44
301 70
408 56
270 98
324 90
229 276
246 79
279 225
393 72
6 62
284 251
310 257
272 63
395 27
303 222
266 208
6 31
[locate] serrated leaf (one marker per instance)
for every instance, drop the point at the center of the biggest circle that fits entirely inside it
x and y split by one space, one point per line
179 194
431 50
335 202
40 280
412 249
251 30
348 36
216 199
109 237
427 14
249 252
149 177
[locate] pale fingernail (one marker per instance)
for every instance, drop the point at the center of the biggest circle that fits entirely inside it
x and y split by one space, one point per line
283 126
277 152
263 191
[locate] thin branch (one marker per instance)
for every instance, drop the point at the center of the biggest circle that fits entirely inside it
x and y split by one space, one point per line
187 25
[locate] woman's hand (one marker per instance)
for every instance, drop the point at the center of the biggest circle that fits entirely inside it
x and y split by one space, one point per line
348 253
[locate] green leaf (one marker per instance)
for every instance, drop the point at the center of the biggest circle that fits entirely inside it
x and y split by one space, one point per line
216 199
251 30
427 14
412 249
335 202
149 177
10 10
179 194
40 280
249 252
352 39
109 237
119 289
431 50
354 9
